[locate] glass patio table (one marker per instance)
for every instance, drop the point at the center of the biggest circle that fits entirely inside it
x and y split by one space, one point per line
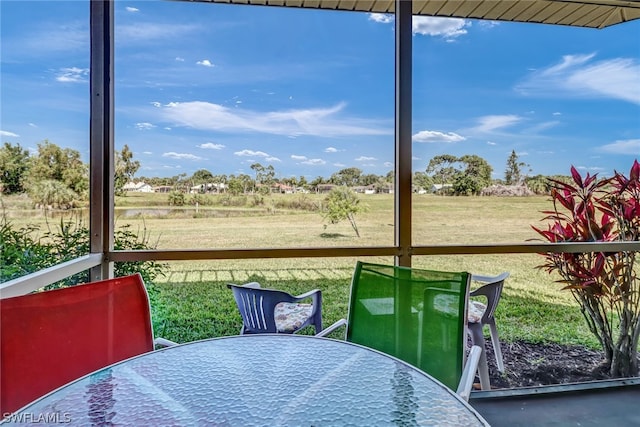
264 380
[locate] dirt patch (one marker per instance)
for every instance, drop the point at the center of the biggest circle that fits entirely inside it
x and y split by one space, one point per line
528 365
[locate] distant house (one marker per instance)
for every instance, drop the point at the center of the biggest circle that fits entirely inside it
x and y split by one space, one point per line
213 187
163 189
324 188
137 187
441 188
282 188
365 189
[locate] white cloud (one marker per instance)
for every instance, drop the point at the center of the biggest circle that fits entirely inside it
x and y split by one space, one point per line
72 75
491 123
211 146
251 153
488 24
179 59
205 63
365 159
144 126
381 17
594 169
51 39
132 9
491 143
181 156
156 104
435 136
314 162
582 76
148 31
449 28
629 146
330 150
7 133
542 126
389 164
303 160
272 159
326 122
444 27
557 113
33 125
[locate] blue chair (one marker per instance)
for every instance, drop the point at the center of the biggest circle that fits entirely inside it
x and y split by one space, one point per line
276 312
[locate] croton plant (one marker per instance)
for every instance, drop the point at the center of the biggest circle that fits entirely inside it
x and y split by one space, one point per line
605 284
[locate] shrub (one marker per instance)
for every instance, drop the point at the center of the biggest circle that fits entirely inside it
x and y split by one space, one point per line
23 252
176 198
605 284
302 202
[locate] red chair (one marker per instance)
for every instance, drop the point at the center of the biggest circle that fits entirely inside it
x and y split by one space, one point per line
50 338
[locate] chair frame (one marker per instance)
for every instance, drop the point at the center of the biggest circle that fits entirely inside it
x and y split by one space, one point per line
491 290
257 304
50 338
470 361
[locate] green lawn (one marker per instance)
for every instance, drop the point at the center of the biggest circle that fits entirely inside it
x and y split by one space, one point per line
192 301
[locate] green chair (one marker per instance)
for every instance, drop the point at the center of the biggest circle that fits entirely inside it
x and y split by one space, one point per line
415 315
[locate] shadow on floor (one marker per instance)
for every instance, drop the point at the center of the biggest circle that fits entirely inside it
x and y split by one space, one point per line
598 403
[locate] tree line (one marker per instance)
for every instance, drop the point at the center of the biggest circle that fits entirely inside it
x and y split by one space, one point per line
55 176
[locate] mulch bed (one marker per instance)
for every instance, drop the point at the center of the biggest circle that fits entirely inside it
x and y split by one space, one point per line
528 364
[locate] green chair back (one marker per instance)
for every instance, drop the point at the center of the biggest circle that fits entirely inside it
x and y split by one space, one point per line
415 315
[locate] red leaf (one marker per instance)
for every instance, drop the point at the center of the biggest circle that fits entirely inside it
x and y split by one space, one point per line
576 176
634 174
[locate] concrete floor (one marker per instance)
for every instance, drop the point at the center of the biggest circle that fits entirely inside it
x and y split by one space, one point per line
601 403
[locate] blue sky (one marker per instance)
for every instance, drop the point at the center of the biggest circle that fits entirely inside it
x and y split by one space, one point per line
220 87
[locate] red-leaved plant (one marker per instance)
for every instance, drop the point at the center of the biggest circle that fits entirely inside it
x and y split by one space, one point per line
605 284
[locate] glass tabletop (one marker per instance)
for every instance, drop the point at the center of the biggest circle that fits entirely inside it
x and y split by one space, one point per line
262 380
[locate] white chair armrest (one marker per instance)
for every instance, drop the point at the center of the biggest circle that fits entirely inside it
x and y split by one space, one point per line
164 342
336 325
469 373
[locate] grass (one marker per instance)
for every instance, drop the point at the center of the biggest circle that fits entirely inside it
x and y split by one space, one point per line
192 301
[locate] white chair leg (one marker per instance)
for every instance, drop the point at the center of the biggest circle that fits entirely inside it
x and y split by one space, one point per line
475 329
496 346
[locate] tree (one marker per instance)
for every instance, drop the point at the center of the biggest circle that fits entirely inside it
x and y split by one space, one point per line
422 181
475 176
125 169
52 193
302 182
513 175
390 176
342 203
62 165
14 164
316 182
239 184
265 177
369 179
605 284
443 168
202 176
539 184
348 177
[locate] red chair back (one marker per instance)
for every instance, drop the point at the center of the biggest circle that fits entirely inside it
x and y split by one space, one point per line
50 338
